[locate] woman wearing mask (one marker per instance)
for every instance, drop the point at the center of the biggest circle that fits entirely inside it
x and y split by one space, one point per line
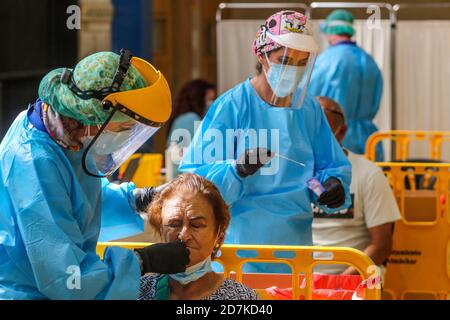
190 209
273 120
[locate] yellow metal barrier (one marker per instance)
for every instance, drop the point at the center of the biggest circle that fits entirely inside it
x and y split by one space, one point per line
419 266
402 140
301 262
147 172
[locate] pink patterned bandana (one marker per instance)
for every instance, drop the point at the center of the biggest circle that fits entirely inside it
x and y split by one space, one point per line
278 24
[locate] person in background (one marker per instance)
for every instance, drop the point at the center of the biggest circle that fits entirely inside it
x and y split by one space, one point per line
347 74
369 222
190 209
191 105
265 138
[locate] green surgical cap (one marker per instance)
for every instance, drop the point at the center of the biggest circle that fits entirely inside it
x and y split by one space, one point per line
338 22
92 73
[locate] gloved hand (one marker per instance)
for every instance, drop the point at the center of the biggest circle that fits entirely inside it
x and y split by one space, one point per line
334 194
164 258
144 196
252 160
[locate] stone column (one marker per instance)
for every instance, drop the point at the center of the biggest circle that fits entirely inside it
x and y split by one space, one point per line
95 32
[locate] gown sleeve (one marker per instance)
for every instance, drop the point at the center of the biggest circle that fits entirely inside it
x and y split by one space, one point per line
208 154
119 216
63 264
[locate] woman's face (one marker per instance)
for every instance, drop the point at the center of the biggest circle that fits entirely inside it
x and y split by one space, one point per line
289 57
190 217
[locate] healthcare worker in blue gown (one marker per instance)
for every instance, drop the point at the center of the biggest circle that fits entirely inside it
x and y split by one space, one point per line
347 74
244 142
54 194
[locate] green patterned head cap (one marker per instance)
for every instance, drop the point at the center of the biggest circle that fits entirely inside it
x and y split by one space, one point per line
92 73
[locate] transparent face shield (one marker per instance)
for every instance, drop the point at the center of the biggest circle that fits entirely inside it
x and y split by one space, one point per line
117 139
135 115
288 74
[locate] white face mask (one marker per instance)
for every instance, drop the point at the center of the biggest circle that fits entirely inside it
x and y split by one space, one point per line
194 272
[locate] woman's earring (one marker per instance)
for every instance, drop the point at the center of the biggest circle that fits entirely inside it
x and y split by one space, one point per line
215 250
219 241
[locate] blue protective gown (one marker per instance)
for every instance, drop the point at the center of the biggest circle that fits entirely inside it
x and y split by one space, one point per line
50 217
273 206
350 76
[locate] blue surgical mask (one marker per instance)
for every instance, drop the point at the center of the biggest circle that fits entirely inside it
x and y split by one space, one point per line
284 79
194 272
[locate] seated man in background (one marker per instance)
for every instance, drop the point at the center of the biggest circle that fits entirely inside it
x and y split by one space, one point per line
190 209
368 224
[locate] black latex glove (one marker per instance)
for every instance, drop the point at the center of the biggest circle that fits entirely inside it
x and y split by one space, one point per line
144 196
252 160
164 258
334 194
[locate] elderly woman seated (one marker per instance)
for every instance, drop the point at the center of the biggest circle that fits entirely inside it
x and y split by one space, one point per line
191 209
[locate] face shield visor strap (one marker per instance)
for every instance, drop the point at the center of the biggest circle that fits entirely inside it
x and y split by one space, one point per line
91 144
122 69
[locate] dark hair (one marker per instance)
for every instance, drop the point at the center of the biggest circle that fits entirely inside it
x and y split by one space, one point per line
195 184
259 68
191 98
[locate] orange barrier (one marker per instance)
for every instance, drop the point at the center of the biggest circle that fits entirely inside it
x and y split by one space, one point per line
301 262
419 266
402 140
144 169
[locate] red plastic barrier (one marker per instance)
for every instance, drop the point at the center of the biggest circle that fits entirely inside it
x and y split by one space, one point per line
326 287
